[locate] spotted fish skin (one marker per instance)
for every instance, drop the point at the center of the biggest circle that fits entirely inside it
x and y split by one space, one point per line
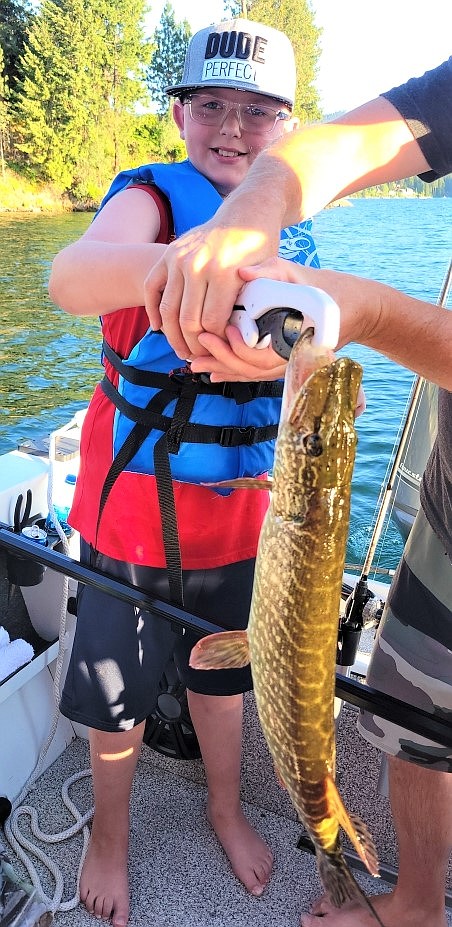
293 625
292 632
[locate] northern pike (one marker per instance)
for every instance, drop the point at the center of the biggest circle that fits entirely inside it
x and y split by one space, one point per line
291 639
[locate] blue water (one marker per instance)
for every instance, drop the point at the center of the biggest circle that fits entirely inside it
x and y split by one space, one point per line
50 361
406 243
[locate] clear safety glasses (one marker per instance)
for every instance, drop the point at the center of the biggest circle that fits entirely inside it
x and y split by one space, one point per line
207 110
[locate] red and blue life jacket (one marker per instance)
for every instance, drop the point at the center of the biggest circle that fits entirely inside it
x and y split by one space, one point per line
168 421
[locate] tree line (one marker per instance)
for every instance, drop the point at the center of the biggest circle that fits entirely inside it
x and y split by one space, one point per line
82 86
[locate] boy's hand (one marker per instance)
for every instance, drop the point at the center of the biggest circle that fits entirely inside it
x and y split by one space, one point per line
233 360
194 286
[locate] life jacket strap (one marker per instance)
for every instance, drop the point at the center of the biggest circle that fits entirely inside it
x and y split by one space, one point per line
169 443
241 392
192 432
183 387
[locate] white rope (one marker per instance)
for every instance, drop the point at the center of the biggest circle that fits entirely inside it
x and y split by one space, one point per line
21 844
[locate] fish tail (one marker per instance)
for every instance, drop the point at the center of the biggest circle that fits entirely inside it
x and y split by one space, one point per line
225 650
339 882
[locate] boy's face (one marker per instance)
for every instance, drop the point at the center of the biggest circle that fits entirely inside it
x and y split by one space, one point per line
224 152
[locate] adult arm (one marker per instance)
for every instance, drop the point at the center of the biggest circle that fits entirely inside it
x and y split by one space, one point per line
106 268
411 332
196 283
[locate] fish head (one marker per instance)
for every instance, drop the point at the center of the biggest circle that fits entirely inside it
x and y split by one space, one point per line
317 438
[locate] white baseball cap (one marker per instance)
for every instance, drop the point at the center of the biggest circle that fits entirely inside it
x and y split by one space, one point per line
241 55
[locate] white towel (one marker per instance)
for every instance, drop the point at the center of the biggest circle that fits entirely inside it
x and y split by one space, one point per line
13 656
4 636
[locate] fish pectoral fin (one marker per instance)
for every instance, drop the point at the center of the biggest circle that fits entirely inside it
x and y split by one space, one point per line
354 827
225 650
243 482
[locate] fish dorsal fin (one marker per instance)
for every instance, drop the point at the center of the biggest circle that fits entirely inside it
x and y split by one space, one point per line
225 650
354 827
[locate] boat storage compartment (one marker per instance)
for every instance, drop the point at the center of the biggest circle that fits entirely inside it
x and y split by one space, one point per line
27 698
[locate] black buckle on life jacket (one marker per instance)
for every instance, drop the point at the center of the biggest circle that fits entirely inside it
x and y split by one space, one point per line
233 436
182 374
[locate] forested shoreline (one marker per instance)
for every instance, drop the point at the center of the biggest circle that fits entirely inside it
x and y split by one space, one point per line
82 90
82 94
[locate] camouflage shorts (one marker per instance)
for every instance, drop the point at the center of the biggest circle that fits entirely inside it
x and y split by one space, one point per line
412 655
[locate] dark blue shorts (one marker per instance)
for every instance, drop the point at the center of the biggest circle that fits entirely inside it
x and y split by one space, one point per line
120 652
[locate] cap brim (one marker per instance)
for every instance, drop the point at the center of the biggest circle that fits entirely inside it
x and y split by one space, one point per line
186 88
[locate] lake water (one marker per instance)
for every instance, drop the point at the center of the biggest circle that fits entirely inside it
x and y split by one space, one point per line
51 361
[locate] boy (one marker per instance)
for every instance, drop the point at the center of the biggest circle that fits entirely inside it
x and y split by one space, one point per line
141 511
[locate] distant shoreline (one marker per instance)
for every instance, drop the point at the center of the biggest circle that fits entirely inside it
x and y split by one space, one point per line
21 197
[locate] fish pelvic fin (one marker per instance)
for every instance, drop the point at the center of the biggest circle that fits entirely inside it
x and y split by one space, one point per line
354 827
225 650
339 882
243 482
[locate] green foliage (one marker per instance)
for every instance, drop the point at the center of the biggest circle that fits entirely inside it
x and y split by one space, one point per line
236 9
170 43
156 138
296 19
4 113
83 76
412 186
15 19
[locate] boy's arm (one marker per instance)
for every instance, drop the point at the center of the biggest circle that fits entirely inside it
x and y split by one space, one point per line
106 268
291 180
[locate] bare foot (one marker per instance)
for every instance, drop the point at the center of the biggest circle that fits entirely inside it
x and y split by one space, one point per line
104 884
389 908
250 858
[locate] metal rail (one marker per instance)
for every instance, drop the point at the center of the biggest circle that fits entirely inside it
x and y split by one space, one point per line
349 690
417 386
387 872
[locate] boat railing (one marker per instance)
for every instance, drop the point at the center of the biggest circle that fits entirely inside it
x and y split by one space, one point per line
349 690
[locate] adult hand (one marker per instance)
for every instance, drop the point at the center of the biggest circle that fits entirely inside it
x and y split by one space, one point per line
193 288
343 288
357 298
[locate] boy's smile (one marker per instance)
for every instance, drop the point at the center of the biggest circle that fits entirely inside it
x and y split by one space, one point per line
224 152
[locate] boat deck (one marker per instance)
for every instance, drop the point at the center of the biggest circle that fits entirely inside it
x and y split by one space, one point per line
179 873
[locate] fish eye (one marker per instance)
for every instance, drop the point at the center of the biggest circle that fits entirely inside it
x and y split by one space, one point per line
312 444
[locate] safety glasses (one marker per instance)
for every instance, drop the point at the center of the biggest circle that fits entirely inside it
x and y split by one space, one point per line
207 110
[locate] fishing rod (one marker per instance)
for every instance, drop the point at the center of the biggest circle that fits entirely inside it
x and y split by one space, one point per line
415 719
353 623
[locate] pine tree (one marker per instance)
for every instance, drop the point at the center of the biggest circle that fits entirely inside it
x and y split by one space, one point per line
15 19
120 56
170 42
296 19
83 76
4 113
236 9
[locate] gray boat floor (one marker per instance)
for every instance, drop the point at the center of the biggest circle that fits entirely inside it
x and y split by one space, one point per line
179 873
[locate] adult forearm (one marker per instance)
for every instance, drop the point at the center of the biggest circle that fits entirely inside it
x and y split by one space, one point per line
411 332
96 277
305 170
